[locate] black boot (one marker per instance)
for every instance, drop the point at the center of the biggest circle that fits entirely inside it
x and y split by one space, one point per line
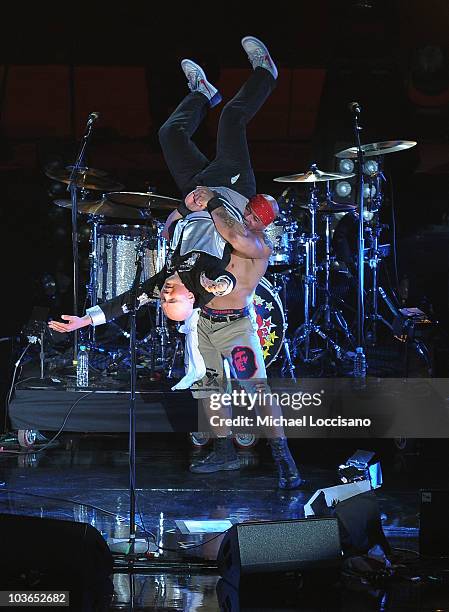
223 458
289 477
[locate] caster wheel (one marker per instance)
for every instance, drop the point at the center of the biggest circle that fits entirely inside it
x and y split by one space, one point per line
27 437
245 440
27 460
199 439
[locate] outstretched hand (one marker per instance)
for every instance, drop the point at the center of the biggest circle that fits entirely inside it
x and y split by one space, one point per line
73 323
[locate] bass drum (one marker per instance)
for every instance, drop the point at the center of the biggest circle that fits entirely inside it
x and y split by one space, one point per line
270 320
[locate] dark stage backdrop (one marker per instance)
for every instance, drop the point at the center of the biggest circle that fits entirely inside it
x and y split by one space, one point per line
123 61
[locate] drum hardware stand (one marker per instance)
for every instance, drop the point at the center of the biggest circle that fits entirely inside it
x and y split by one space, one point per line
332 317
281 289
159 337
73 188
178 350
92 287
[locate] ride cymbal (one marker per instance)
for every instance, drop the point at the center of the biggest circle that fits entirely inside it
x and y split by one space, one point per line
105 209
378 148
87 178
136 199
312 176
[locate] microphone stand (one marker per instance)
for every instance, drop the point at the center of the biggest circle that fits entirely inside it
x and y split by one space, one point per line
361 246
73 188
131 551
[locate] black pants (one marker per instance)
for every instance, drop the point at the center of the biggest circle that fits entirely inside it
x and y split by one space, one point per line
188 166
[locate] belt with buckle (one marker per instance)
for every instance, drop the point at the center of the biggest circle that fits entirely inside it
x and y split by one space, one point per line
225 315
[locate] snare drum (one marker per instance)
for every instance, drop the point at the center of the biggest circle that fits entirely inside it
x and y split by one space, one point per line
282 234
115 252
270 320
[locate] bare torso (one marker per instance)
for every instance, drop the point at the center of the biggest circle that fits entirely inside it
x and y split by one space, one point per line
248 273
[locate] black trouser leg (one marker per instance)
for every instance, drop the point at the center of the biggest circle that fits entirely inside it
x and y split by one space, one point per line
232 155
183 158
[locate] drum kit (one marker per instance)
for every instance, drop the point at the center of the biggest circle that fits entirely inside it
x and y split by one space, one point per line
325 332
124 222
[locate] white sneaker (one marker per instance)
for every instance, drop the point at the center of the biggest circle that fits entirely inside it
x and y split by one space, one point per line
196 79
258 55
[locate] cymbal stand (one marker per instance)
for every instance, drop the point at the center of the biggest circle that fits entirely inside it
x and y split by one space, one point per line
280 287
374 258
313 206
304 332
332 317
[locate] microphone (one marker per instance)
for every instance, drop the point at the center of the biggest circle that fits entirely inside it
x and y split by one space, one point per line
92 117
354 107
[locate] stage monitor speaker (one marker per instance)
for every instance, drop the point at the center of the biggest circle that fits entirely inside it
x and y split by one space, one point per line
433 523
276 547
52 554
361 524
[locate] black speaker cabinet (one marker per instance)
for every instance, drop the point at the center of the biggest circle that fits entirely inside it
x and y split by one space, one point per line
272 547
433 523
54 554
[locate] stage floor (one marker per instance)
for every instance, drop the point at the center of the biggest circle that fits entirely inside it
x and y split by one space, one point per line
85 479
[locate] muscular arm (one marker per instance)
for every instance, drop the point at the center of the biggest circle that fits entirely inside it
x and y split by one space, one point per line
246 243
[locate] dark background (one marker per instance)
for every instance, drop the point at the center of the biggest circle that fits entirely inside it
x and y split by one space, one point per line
59 64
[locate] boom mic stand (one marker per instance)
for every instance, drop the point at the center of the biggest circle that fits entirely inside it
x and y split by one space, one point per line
360 354
73 188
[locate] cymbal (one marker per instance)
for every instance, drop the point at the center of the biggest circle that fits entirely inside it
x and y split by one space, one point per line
329 206
105 208
136 199
378 148
92 171
88 178
312 176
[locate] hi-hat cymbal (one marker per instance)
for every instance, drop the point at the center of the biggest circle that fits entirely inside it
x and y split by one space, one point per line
312 176
136 199
105 209
329 206
87 178
377 148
